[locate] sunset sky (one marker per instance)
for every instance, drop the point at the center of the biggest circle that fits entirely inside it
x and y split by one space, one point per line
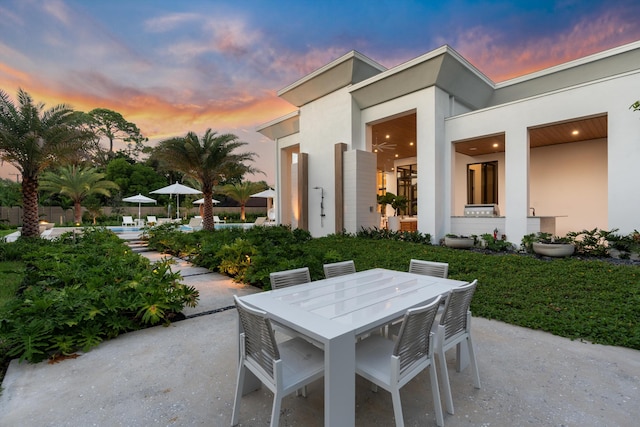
178 66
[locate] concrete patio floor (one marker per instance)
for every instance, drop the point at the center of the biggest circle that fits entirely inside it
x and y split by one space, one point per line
184 375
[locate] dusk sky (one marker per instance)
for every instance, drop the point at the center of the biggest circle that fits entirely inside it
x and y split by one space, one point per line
178 66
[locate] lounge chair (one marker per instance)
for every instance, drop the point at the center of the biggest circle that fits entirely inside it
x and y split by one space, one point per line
151 220
195 224
127 221
261 220
217 220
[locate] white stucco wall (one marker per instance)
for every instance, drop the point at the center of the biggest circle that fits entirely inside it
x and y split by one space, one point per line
570 181
610 96
324 123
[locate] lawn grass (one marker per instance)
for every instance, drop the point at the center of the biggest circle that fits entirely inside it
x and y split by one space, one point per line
593 300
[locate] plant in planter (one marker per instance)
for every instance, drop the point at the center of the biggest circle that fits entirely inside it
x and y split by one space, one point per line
384 200
459 242
548 245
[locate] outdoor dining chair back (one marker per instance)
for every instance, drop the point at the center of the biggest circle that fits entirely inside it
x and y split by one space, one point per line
391 365
339 269
429 268
283 367
453 329
283 279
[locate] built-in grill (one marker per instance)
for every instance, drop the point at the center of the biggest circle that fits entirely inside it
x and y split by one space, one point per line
481 210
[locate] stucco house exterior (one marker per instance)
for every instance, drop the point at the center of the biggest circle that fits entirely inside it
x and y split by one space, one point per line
557 150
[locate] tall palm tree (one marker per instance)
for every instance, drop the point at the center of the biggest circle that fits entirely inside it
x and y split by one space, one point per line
241 192
208 160
32 139
77 183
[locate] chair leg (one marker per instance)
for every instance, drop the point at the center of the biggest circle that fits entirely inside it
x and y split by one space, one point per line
275 411
435 392
397 407
474 363
448 400
238 396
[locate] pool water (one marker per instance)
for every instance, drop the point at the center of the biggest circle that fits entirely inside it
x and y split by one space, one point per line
183 227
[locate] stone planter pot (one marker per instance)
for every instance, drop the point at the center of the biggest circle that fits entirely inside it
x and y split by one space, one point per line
393 223
554 249
459 242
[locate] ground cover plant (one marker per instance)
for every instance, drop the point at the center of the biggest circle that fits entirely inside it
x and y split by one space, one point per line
82 289
588 299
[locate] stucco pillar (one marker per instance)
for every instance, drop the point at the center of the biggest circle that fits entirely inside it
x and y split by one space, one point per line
516 184
433 194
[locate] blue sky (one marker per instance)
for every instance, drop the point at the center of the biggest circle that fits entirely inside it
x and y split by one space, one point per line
178 66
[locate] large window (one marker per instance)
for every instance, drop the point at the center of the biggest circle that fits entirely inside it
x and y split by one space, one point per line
408 187
482 183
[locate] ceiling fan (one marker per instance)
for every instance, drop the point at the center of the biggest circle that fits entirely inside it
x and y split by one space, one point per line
384 145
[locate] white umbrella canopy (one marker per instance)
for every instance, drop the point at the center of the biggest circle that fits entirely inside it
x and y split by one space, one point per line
201 201
177 189
139 199
267 194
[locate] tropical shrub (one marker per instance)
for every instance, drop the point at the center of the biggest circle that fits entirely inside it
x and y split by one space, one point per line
82 289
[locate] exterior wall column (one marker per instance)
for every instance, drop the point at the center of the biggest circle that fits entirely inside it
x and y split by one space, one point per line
433 196
516 182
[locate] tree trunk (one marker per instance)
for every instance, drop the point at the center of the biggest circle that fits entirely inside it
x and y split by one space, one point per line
207 217
77 212
242 217
30 225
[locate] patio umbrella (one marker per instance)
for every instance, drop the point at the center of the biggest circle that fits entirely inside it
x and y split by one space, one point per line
176 189
201 201
139 199
268 194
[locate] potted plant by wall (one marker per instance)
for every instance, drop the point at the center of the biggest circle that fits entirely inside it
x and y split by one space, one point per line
384 200
548 245
397 203
459 242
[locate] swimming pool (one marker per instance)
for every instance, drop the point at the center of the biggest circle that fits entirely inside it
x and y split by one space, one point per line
244 225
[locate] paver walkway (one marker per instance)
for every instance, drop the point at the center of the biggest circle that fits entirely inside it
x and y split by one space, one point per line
184 375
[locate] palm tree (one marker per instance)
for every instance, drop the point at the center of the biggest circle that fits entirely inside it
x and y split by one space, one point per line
207 160
32 139
77 183
241 192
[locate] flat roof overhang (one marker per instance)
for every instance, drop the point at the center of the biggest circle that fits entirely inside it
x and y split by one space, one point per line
281 127
350 68
443 67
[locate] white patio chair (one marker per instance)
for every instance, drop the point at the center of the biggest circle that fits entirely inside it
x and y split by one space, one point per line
127 221
453 329
429 268
261 220
339 268
195 224
426 268
284 279
217 220
391 365
283 367
151 220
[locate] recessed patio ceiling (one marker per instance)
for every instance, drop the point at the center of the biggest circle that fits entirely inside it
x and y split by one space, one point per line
400 144
558 133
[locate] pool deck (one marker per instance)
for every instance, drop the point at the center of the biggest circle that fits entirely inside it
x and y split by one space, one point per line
185 374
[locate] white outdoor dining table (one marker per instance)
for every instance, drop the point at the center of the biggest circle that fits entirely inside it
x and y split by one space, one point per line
334 312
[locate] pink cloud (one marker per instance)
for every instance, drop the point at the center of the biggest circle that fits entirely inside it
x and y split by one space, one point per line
501 61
